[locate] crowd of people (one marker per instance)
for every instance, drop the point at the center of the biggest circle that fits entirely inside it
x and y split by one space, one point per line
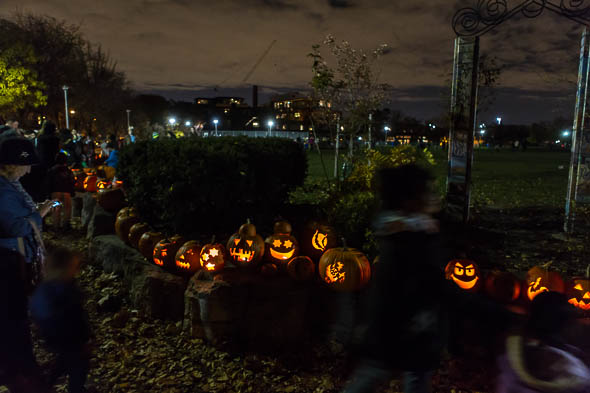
414 315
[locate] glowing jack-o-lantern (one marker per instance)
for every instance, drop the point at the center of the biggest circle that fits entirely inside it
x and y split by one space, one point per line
165 251
316 239
90 183
187 257
539 280
281 246
245 247
464 273
126 218
503 287
102 185
212 257
578 291
147 242
344 269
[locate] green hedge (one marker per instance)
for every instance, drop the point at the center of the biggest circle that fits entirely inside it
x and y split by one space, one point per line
199 187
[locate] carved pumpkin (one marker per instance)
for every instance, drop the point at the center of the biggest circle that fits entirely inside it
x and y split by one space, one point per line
111 200
281 246
539 280
90 183
578 291
117 183
212 257
102 185
147 242
464 273
79 176
125 220
269 270
165 251
136 232
503 287
301 268
245 247
316 239
344 269
188 257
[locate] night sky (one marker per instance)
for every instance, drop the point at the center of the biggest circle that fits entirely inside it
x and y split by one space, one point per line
188 48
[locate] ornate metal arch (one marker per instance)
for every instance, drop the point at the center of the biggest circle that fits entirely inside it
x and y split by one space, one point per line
487 14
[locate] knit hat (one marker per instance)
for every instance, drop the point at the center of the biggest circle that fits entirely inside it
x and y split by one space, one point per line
17 151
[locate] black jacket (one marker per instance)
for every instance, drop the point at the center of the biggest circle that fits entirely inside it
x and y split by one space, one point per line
47 149
60 179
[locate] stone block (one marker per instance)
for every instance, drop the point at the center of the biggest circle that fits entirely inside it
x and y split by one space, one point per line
88 204
101 223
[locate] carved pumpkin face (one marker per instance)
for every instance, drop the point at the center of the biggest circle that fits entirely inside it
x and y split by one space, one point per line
212 257
281 246
147 242
579 293
344 269
187 257
503 287
316 239
539 280
102 185
246 248
90 183
464 273
165 251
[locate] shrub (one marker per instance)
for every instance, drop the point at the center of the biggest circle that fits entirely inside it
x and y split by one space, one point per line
197 186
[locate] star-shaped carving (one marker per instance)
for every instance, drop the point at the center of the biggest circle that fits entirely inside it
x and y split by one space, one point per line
214 252
205 257
288 243
276 243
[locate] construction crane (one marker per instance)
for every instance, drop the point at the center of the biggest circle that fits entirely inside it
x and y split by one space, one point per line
249 74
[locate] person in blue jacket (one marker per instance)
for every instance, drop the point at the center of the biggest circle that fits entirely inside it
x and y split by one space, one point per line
21 248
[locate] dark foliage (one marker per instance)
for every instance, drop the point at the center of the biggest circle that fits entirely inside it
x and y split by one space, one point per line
199 187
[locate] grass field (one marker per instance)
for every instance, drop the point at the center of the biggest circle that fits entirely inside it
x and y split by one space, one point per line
504 179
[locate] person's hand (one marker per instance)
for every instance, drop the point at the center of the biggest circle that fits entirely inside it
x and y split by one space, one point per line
46 207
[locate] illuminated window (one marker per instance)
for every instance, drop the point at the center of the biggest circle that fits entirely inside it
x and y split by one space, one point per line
310 129
297 114
321 102
284 127
284 116
329 105
226 111
256 124
301 128
288 104
278 116
202 102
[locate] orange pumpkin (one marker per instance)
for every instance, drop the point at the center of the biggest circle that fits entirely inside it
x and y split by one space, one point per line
269 270
316 239
165 251
578 291
344 269
464 273
187 258
125 220
301 268
90 183
102 184
136 232
503 287
539 280
111 200
281 246
245 247
212 257
147 242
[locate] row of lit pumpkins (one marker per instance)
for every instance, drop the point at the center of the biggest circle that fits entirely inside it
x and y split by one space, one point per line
342 269
88 180
507 288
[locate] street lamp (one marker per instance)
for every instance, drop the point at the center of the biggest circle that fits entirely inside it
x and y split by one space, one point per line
499 120
172 121
215 121
270 124
65 89
128 120
566 133
187 123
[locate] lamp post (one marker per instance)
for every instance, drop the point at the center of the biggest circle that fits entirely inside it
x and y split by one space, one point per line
215 122
65 89
128 120
187 123
270 124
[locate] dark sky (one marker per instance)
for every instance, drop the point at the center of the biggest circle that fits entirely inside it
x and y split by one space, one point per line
187 48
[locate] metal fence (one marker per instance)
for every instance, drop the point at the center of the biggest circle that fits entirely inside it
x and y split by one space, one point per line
260 134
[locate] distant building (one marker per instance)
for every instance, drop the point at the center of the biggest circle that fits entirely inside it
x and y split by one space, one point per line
294 111
231 112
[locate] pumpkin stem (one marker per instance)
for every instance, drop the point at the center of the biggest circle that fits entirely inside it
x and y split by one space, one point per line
588 272
213 239
546 265
344 244
248 221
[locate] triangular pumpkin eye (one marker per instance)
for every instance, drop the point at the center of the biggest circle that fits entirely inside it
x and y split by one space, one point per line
249 243
236 241
579 287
